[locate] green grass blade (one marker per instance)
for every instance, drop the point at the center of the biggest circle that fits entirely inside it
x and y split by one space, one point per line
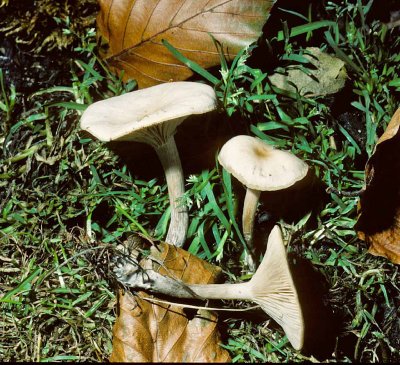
302 29
215 207
24 286
191 64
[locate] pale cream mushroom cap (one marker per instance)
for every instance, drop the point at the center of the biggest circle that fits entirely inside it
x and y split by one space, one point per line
128 117
260 166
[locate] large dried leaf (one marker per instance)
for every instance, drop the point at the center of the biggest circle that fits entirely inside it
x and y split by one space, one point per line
379 221
134 30
146 332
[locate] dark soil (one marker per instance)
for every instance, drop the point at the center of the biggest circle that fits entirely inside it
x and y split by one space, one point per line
34 52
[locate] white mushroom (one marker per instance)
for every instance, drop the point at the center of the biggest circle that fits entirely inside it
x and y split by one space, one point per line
151 116
271 287
260 167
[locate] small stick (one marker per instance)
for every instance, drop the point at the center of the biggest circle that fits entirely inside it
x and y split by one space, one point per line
331 189
153 300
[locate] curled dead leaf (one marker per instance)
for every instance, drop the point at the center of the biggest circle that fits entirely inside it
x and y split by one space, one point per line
134 30
147 332
379 220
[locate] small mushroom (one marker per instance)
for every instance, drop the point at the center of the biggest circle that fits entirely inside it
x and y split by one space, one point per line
260 167
271 287
151 116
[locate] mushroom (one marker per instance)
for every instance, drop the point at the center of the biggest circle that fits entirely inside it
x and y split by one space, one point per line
271 287
151 116
260 167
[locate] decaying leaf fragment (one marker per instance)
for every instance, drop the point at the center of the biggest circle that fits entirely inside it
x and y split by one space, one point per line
134 30
328 77
379 220
146 332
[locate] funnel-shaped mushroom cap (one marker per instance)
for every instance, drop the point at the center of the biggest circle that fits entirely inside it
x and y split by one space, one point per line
273 289
165 106
259 166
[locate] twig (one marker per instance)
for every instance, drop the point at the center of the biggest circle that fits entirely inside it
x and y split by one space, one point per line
331 189
153 300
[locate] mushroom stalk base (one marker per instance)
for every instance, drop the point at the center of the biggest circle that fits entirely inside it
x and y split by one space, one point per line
169 157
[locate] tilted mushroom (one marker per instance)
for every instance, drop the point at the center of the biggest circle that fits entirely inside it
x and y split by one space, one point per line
260 167
151 116
271 287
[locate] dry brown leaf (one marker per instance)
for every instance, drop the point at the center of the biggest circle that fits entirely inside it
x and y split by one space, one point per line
134 30
146 332
379 220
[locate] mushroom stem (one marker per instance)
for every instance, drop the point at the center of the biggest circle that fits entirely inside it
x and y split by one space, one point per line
249 213
239 291
169 157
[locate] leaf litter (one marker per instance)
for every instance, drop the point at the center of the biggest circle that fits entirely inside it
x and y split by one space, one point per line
379 220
